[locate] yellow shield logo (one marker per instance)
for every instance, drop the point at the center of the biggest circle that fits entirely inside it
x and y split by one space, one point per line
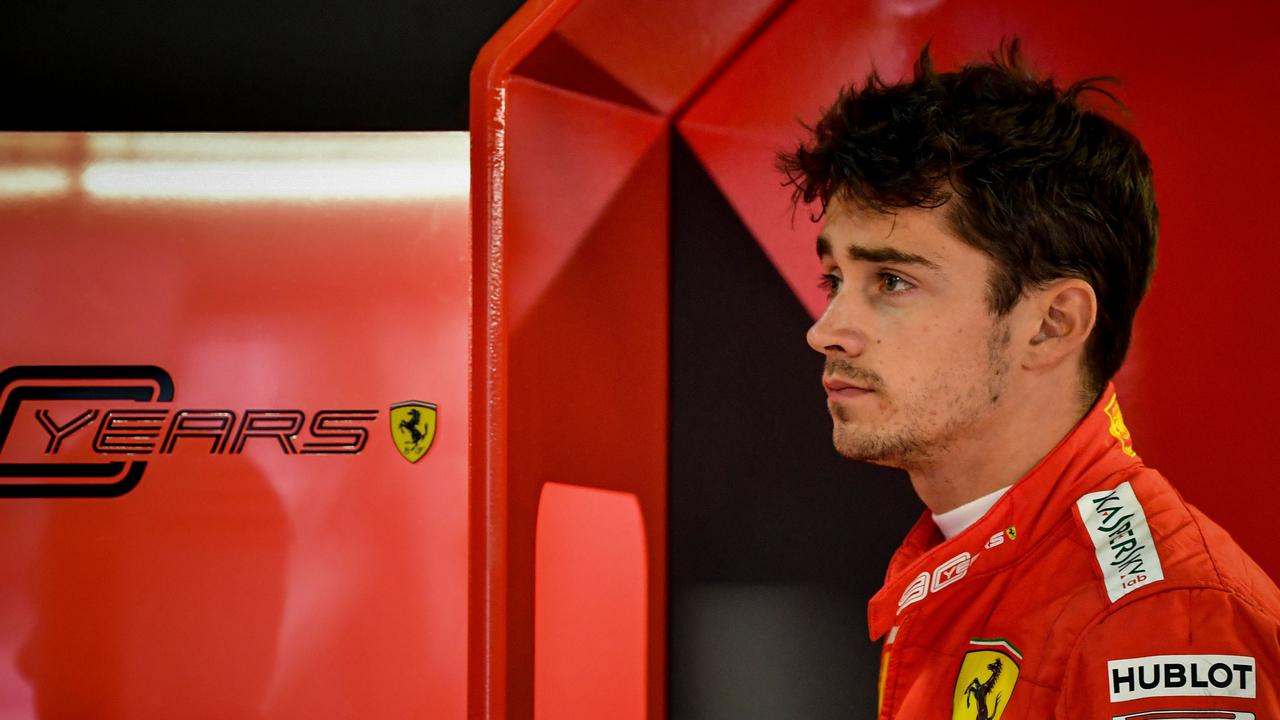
985 682
413 428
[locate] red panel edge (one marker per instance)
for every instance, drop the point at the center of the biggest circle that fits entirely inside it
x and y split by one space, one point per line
486 513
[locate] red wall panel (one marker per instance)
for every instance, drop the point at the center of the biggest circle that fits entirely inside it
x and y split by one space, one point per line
260 583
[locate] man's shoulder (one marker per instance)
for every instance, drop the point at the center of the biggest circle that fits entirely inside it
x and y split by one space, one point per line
1196 552
1155 582
1171 647
1134 540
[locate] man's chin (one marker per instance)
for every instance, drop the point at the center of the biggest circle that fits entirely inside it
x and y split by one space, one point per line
897 463
889 452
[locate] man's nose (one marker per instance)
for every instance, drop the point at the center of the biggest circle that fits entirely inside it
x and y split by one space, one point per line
837 330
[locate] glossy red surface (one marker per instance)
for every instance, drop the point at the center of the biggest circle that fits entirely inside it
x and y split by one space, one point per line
591 625
553 203
619 36
570 118
259 584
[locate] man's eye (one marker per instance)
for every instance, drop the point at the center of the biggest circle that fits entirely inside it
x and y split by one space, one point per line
830 283
893 283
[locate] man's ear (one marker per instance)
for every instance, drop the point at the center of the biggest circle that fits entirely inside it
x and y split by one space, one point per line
1066 311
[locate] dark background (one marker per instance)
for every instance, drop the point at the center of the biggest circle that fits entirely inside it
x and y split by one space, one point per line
776 543
241 64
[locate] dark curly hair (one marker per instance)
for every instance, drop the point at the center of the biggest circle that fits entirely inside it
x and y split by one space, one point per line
1045 185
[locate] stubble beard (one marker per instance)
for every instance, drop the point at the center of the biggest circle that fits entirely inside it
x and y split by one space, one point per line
914 445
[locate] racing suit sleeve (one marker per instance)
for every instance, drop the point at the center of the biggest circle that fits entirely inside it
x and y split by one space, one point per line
1176 654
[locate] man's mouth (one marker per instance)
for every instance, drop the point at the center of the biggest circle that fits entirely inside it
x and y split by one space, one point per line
838 389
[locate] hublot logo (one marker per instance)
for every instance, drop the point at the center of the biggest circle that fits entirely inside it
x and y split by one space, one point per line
1185 675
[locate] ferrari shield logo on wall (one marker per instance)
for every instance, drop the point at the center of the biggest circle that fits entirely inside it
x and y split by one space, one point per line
986 681
413 427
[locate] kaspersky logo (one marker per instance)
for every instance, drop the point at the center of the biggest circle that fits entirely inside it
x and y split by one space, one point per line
121 415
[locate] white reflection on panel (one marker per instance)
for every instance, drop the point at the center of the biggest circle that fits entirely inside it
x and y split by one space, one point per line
275 146
276 180
237 167
34 181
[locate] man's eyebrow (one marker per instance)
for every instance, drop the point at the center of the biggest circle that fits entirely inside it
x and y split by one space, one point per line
889 255
877 254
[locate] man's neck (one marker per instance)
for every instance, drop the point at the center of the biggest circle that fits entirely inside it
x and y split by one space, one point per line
1017 436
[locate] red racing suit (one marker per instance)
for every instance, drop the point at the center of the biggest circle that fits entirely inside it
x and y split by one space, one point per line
1091 589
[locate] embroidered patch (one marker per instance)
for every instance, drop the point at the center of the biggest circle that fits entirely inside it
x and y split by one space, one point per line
1182 675
924 584
1121 539
986 680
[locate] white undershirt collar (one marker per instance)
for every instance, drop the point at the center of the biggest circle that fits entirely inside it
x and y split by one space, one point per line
954 522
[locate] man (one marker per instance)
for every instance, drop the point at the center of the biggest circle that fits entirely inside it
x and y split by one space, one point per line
987 241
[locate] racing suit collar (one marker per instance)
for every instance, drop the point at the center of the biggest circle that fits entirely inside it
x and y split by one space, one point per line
926 565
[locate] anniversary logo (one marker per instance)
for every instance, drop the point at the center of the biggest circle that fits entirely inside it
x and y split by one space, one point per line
125 410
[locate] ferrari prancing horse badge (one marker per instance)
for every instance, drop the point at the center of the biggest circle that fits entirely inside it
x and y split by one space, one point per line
986 680
413 427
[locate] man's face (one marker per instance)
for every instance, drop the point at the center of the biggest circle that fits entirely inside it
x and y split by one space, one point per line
916 361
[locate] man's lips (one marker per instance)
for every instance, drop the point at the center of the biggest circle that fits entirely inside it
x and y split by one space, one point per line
842 389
